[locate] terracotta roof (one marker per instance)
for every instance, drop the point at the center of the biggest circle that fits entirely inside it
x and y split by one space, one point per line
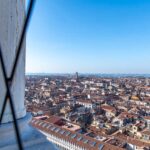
147 117
85 101
108 108
146 132
76 138
124 115
132 140
53 119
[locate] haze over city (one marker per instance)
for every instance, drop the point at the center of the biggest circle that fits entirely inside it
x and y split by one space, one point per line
86 85
89 36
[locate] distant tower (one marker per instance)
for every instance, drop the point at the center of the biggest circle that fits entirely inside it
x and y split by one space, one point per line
77 76
147 82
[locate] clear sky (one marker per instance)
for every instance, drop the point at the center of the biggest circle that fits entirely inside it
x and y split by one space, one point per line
89 36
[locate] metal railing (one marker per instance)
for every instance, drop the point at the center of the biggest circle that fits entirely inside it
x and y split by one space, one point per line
8 80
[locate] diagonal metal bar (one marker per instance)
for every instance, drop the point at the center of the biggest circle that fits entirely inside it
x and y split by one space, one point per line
27 20
9 80
26 23
5 80
8 96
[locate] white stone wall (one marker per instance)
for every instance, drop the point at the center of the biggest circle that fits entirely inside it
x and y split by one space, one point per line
12 14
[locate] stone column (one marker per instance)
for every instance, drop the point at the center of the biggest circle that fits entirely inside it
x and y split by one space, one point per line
12 13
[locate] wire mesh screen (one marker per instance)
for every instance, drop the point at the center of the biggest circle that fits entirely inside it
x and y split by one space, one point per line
9 79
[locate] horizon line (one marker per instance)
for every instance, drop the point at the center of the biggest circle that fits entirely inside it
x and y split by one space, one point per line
84 73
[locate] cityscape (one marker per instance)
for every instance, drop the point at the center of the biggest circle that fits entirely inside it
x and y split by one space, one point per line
74 75
81 112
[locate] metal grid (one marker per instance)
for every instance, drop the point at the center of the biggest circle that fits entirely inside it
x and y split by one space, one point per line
8 80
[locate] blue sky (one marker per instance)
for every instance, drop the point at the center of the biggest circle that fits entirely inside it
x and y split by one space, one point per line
89 36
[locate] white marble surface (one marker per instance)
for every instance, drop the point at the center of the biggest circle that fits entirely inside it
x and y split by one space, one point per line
12 13
31 138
